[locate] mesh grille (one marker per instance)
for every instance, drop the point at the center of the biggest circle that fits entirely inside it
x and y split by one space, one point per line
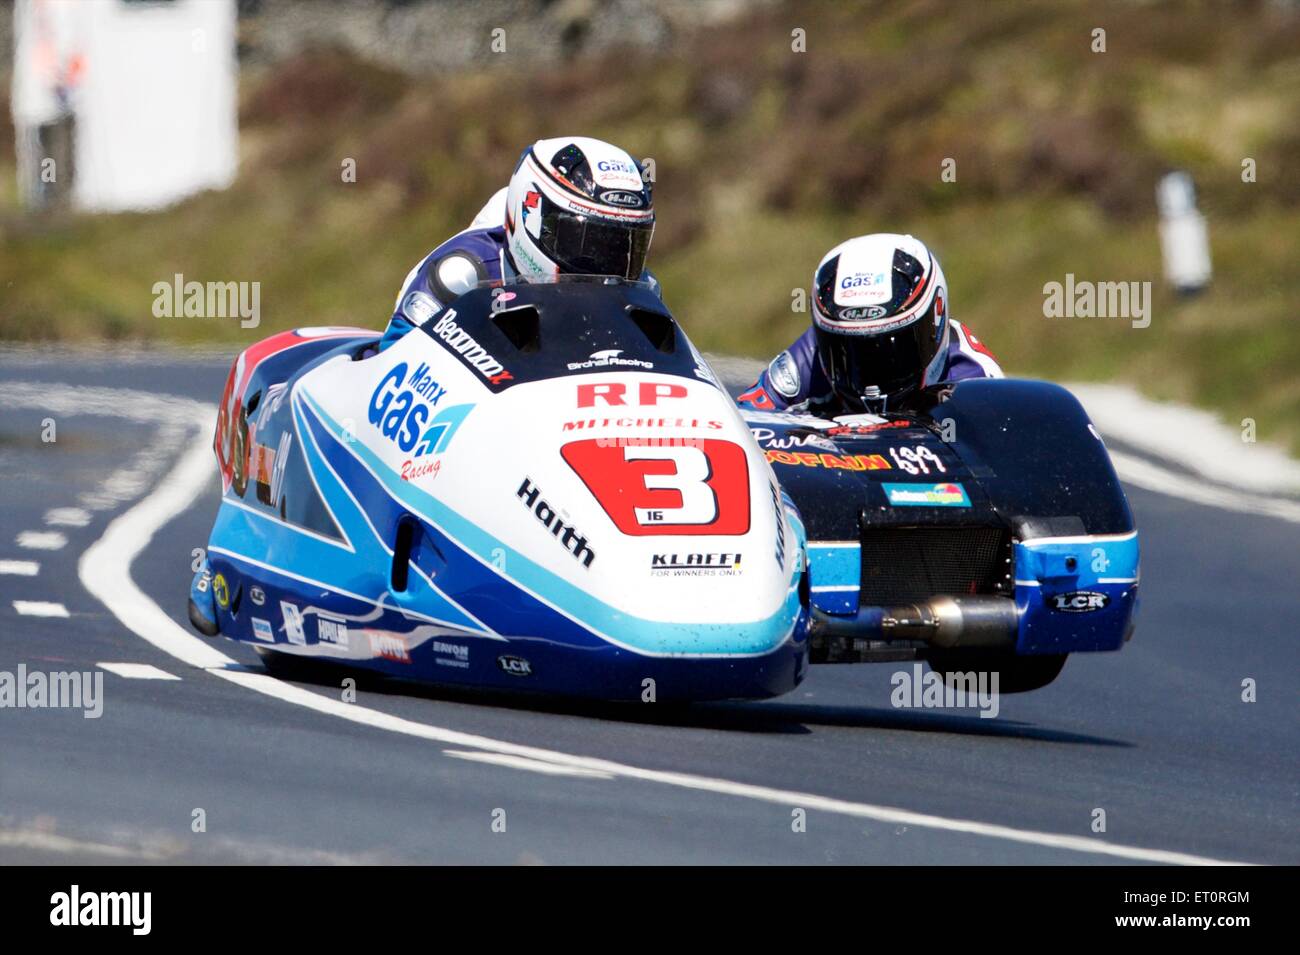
912 563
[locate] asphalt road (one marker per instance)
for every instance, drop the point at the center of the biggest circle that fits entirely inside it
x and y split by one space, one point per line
1158 736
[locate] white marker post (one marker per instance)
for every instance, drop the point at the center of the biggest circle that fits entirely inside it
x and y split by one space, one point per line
1184 237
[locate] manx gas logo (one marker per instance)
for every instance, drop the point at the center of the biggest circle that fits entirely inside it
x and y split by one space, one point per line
402 408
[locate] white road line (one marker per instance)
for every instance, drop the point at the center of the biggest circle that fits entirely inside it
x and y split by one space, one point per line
531 765
105 571
40 608
137 671
1152 477
1190 438
67 517
42 540
53 842
20 568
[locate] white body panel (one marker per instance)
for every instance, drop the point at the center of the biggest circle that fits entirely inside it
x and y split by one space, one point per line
519 435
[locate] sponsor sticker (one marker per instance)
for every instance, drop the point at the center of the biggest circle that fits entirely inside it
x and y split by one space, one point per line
649 488
332 631
419 307
221 591
261 463
388 646
617 173
257 595
262 630
470 351
695 564
619 197
293 623
702 369
515 666
402 407
402 402
451 654
602 424
281 462
271 403
549 517
1079 601
926 495
869 428
847 462
863 312
784 375
768 438
864 288
615 393
609 358
917 459
780 526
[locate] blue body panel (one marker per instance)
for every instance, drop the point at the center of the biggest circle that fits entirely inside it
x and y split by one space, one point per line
1048 569
1101 565
1020 457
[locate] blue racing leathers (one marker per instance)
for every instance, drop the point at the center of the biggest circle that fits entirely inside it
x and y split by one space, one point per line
476 253
795 381
469 257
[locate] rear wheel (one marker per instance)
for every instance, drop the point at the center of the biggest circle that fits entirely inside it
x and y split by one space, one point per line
1016 674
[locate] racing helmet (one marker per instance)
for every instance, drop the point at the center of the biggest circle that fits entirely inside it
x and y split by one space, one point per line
578 205
880 315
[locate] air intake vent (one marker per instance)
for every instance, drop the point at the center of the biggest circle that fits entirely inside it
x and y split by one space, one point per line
658 328
901 564
402 545
522 325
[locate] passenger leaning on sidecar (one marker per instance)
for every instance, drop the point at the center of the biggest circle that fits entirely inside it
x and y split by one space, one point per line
880 333
574 206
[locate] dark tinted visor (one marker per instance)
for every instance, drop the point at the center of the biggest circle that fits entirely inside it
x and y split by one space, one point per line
593 246
893 362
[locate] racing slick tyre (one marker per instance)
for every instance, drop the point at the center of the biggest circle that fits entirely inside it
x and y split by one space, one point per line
204 623
1016 674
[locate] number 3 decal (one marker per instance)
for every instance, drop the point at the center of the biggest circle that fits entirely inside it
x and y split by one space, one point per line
648 488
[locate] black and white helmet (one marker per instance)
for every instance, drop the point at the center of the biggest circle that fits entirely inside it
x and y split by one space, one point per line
578 205
880 314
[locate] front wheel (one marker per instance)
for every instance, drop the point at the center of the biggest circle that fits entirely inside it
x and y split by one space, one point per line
1016 674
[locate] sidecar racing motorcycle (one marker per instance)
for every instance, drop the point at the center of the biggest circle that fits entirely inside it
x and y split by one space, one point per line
546 487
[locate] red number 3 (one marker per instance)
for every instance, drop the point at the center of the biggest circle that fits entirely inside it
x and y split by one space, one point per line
648 488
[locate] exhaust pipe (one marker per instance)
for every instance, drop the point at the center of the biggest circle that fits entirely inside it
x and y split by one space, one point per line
979 621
